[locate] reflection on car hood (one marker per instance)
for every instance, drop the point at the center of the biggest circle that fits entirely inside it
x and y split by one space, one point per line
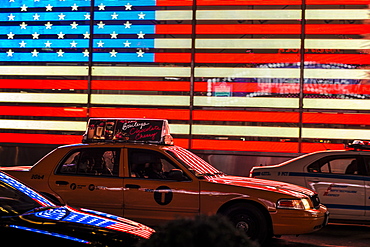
83 217
262 184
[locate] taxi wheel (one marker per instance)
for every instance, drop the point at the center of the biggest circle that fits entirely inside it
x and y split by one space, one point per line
251 220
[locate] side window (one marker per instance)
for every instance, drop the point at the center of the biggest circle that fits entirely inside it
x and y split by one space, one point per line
367 166
339 165
153 165
93 162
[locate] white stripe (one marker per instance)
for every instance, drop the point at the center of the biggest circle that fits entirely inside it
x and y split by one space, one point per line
354 44
351 134
246 72
337 14
42 125
180 129
311 14
43 98
222 130
44 70
248 14
246 102
338 104
247 43
172 43
141 71
280 73
127 99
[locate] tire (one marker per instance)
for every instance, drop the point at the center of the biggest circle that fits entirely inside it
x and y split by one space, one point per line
251 220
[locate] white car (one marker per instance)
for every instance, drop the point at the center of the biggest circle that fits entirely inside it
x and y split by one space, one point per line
341 178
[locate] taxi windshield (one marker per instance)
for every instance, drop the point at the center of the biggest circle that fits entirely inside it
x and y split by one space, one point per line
193 162
16 198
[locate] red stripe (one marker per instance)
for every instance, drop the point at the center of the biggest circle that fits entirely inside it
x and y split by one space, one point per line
261 146
282 57
282 117
258 2
43 111
39 138
290 88
171 114
337 118
337 58
246 116
141 85
43 84
263 29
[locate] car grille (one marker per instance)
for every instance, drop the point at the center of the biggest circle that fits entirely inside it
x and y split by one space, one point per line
316 201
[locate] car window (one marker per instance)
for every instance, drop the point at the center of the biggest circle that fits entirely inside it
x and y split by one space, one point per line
338 165
367 165
92 162
150 164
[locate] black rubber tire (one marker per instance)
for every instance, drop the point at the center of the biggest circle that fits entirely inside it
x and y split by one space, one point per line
251 220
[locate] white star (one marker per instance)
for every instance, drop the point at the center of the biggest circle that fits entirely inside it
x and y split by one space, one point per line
60 35
86 35
22 44
113 53
36 17
73 44
60 53
140 53
35 53
101 25
11 17
35 35
11 1
113 35
127 44
10 35
24 7
74 7
10 53
100 43
140 35
49 7
101 6
114 16
86 53
141 15
48 44
128 6
23 25
87 16
61 16
127 24
48 25
74 25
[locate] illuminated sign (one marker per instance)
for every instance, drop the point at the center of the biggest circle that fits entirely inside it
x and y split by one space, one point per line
128 130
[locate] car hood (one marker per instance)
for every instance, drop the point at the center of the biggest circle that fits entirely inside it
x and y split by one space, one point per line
84 218
263 184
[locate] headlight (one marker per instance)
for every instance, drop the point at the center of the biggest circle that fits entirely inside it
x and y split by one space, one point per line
302 204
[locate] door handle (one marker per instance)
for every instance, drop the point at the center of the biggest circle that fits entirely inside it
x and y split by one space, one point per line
61 182
132 186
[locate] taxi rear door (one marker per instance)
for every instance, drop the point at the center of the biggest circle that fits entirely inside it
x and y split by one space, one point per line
339 182
152 200
89 177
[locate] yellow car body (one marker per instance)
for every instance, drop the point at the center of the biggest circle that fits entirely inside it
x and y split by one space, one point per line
189 186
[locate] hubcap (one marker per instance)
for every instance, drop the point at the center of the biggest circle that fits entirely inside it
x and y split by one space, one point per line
242 225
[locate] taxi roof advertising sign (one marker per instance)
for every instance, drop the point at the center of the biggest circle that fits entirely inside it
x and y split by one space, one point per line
127 130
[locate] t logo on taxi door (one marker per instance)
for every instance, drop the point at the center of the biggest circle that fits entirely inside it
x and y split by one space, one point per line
163 195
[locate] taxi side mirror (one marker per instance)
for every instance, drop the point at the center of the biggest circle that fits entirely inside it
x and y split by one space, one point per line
176 174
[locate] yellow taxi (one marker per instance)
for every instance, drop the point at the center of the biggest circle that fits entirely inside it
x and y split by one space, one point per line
130 167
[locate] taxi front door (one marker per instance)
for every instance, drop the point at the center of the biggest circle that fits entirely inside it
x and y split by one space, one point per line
340 185
153 200
89 178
